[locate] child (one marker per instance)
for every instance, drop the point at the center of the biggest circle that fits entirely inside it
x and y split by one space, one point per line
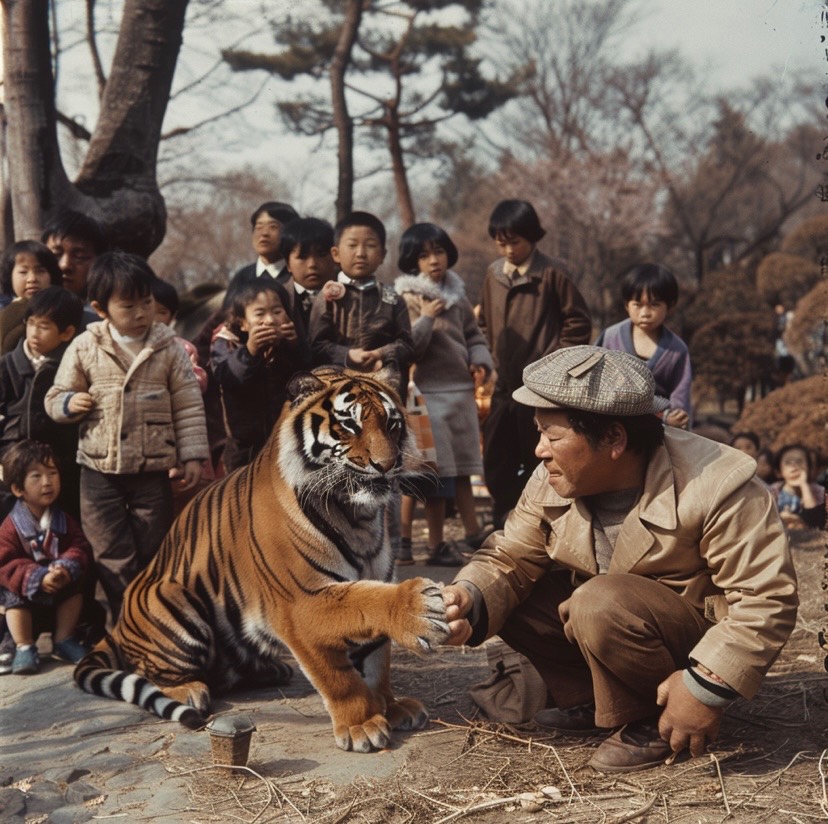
53 316
306 248
650 293
449 350
528 308
43 558
253 357
132 388
26 268
367 327
800 502
267 222
165 300
747 442
75 240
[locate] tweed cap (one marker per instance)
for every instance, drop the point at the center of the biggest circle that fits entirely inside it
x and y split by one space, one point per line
593 379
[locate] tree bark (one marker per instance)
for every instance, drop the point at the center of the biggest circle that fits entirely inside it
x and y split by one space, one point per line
342 119
117 183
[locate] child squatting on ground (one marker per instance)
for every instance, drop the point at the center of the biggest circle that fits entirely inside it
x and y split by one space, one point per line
132 389
43 559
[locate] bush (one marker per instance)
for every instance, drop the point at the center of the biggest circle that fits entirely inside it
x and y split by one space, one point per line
807 332
809 240
783 278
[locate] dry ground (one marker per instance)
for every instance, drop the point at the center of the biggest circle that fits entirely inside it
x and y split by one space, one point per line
65 756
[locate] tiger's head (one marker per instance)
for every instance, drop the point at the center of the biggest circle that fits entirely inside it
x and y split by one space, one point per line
349 436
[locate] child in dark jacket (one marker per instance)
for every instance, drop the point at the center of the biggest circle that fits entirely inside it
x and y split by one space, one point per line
43 558
52 318
253 357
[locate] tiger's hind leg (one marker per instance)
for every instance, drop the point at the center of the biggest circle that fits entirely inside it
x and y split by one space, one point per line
195 694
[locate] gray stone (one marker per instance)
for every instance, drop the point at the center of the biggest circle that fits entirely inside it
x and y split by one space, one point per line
12 803
70 815
65 775
43 797
80 791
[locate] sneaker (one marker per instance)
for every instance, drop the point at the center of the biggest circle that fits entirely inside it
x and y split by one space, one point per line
476 541
578 721
69 650
636 746
26 660
445 555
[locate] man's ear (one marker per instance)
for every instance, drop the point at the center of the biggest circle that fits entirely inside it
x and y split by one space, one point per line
616 439
98 308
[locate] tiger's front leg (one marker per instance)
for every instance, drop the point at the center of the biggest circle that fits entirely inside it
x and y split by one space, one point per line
411 613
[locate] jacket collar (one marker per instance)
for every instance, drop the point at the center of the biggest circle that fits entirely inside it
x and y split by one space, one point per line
571 520
451 290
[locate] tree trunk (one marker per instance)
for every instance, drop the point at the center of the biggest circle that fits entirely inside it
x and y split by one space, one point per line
405 204
117 184
341 117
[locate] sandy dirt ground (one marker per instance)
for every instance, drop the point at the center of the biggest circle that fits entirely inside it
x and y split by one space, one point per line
69 757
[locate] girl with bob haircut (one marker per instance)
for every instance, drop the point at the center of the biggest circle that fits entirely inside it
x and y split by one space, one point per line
450 353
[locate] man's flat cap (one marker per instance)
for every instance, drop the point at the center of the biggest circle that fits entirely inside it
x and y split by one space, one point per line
593 379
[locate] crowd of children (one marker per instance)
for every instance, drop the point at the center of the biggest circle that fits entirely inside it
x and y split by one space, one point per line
103 424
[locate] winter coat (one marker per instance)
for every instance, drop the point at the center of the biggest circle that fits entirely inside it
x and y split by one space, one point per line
704 526
529 317
148 414
446 346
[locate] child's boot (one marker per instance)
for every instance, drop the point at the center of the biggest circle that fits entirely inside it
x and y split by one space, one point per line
26 660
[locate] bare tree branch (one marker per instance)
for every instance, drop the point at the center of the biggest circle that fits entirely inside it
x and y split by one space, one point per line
92 40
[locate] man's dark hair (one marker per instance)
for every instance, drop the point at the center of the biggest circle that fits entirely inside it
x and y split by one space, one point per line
366 219
644 432
77 225
27 247
20 457
119 273
60 305
419 238
654 279
283 212
166 294
308 235
516 217
748 436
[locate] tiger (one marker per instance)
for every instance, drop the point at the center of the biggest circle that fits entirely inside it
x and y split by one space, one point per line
288 551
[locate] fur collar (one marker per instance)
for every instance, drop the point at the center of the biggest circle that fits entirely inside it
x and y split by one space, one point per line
451 291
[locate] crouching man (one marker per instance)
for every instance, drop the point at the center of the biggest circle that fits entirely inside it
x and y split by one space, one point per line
644 571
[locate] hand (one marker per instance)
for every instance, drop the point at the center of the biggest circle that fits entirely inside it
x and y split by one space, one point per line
480 373
458 601
333 290
261 338
190 475
288 332
432 307
80 403
797 479
364 358
685 720
55 579
678 418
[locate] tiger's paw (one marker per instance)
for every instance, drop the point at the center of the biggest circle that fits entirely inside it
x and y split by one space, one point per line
424 618
373 734
406 714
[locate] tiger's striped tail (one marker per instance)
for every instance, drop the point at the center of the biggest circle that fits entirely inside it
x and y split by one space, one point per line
96 673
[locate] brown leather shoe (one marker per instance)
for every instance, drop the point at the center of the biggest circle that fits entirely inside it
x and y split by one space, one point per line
636 746
578 721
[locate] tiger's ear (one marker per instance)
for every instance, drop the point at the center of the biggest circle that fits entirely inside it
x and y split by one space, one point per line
301 385
388 374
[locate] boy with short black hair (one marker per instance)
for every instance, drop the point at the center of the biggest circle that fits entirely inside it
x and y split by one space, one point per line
267 222
650 292
43 558
52 318
358 322
132 388
529 308
306 248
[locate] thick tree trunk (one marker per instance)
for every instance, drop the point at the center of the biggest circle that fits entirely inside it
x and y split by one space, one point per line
117 184
341 117
404 202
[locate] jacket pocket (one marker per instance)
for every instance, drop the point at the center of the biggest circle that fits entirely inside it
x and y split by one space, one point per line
159 438
93 435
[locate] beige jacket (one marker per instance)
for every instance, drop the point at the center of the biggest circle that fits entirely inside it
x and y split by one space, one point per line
704 526
148 414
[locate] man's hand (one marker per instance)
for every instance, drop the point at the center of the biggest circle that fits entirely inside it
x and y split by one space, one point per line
81 402
458 601
685 722
678 418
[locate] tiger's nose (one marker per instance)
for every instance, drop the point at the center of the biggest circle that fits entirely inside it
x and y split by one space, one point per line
384 465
